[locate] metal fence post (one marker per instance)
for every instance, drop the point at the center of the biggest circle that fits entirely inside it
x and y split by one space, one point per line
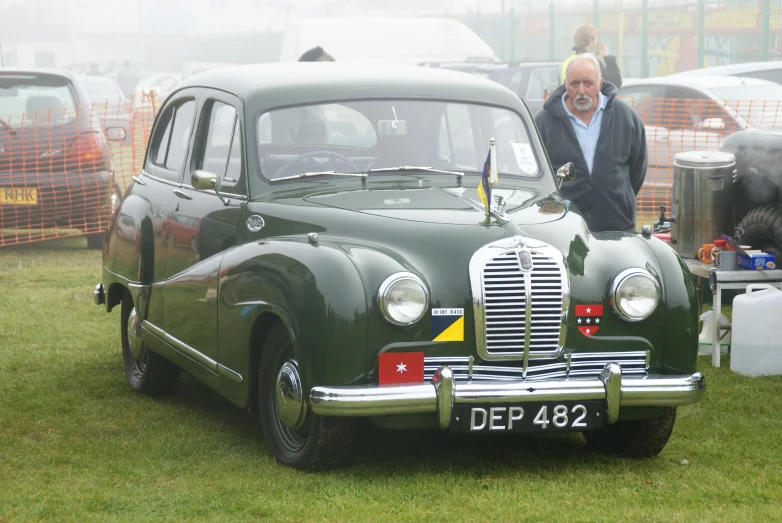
512 33
552 34
596 13
503 27
701 33
644 38
765 29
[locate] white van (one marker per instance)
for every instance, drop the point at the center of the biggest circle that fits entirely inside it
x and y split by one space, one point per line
397 40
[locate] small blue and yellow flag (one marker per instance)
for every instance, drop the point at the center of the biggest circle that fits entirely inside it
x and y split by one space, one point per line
488 178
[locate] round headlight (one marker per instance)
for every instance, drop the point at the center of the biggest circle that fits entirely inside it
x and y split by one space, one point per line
403 298
635 294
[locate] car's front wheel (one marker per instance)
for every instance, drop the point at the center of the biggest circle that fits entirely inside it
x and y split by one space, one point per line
146 371
297 437
641 438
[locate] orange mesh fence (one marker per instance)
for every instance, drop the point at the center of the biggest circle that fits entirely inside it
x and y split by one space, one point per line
63 168
680 125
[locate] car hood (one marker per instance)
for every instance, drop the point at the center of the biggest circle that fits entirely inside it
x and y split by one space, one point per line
448 205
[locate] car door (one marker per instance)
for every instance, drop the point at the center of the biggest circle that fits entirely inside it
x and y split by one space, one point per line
206 222
159 181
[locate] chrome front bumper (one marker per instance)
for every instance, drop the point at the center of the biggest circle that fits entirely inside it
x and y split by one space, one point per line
443 392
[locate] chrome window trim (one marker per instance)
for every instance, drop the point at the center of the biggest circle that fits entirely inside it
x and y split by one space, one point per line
478 261
382 300
617 283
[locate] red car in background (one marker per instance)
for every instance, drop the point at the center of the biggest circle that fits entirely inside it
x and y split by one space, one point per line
55 161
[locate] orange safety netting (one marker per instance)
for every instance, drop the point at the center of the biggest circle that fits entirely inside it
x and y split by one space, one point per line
63 168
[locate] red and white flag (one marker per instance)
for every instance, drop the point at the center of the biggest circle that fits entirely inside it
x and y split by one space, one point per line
588 318
400 367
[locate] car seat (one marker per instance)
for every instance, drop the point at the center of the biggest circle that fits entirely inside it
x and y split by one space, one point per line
44 109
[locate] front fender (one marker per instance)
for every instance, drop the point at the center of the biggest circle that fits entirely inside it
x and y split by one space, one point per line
314 289
682 309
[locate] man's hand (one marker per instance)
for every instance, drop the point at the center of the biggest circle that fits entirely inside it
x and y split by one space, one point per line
602 50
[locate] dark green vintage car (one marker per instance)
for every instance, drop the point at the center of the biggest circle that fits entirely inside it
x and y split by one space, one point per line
309 240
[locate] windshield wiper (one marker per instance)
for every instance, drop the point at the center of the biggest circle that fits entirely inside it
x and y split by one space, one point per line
8 126
319 173
415 168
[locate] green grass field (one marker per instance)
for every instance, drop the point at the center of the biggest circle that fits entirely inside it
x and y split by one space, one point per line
77 445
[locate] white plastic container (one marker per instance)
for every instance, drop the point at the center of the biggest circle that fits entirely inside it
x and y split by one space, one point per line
704 339
757 331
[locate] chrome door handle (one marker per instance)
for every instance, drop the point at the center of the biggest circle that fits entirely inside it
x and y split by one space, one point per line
182 194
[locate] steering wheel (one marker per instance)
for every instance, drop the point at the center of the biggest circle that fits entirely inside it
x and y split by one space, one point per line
305 162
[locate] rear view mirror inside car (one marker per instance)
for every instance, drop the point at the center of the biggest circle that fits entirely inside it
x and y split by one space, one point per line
115 134
392 127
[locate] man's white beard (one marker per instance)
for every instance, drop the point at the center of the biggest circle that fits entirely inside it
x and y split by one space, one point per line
582 103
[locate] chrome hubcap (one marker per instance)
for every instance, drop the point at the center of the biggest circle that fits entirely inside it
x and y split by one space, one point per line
289 396
134 334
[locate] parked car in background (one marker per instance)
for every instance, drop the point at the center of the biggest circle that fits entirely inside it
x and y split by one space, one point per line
532 81
481 67
771 71
690 113
113 108
55 162
342 265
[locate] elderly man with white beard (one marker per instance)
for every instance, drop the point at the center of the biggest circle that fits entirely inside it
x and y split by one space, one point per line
585 123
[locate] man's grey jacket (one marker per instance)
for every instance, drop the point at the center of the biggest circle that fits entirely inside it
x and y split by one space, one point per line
607 197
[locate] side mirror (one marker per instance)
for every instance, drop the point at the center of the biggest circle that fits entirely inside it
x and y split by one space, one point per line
566 173
115 134
713 124
205 181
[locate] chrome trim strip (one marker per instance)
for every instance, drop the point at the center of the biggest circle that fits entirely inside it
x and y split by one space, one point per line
182 194
222 370
138 180
540 312
527 318
181 346
376 400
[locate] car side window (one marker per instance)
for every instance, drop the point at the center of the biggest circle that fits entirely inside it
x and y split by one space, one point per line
647 100
542 82
172 134
218 148
689 108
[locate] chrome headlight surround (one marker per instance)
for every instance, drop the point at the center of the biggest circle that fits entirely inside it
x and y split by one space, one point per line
388 303
619 286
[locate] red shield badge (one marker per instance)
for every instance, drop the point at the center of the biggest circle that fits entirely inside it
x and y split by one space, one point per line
588 318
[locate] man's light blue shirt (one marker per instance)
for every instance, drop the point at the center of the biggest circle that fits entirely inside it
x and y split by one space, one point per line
587 135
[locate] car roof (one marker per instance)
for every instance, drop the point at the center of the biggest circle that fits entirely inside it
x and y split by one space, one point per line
732 69
704 83
280 84
38 71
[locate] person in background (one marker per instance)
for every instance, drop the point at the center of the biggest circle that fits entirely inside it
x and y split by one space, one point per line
585 41
94 70
127 78
585 123
316 54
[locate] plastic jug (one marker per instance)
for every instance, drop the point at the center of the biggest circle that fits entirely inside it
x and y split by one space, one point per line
704 339
757 331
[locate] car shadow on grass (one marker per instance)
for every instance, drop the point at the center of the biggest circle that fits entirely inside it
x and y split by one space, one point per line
402 452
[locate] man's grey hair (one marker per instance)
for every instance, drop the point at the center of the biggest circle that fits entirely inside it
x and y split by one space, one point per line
585 57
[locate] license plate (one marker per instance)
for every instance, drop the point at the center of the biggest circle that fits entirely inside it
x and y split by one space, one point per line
12 196
548 416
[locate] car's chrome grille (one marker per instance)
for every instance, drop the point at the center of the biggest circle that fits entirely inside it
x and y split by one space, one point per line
581 365
505 307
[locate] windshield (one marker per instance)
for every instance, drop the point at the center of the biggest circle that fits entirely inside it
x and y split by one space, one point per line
757 104
36 101
362 136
